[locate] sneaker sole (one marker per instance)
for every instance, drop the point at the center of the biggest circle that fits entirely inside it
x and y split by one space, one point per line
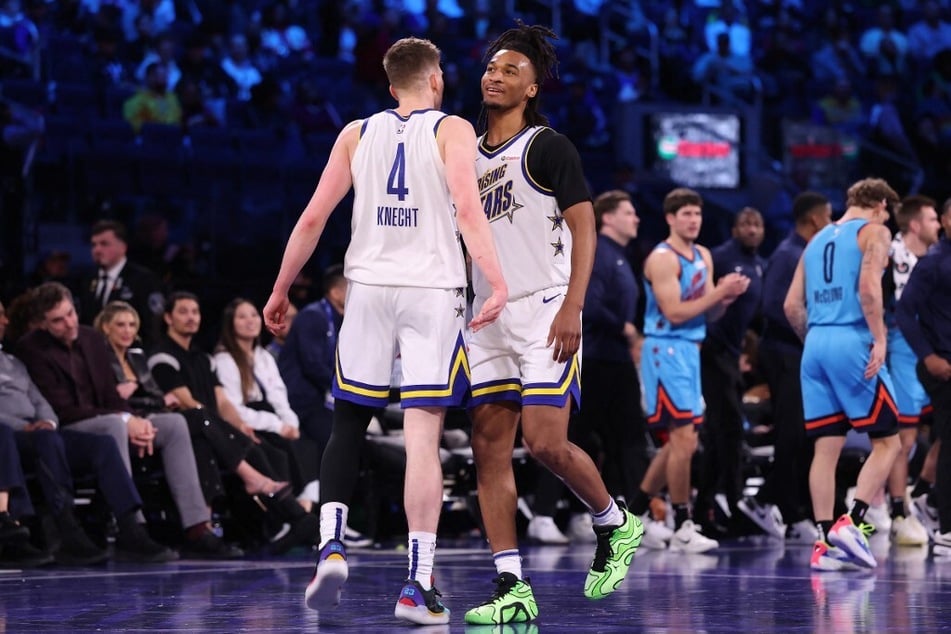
595 588
420 615
324 592
763 525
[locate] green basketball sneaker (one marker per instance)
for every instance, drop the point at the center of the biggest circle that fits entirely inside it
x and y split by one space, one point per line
615 551
512 602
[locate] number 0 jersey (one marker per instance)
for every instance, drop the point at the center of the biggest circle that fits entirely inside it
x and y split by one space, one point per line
404 229
832 262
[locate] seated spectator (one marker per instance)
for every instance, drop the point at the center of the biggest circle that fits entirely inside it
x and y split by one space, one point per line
730 72
200 66
119 323
70 364
930 35
313 112
278 37
196 112
181 369
250 378
238 66
840 109
164 53
108 67
15 547
161 12
25 409
838 58
213 441
728 20
153 102
884 46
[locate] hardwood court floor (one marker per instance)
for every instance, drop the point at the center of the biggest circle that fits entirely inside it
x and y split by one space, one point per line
752 585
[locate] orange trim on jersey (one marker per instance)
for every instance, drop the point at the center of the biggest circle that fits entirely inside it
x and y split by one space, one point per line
698 420
825 421
927 409
908 420
665 404
882 398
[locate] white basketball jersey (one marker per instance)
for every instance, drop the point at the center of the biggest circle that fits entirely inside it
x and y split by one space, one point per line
903 262
531 237
404 229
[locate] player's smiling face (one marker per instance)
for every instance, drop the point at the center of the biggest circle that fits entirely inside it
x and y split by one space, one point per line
508 81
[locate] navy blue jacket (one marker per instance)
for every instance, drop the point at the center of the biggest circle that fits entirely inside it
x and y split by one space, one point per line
924 310
777 279
306 361
732 257
611 300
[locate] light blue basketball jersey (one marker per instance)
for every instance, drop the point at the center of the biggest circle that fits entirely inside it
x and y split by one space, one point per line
693 283
832 263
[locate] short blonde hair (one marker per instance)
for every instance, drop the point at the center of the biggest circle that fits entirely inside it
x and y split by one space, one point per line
409 61
109 312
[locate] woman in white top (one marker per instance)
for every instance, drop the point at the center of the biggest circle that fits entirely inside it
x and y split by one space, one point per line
249 376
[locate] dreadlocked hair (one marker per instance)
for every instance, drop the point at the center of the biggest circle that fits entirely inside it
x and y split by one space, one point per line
534 42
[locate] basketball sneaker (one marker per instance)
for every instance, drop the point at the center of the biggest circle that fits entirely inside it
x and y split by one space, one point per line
689 539
942 544
878 516
656 534
613 555
908 531
580 529
829 558
331 573
512 602
801 532
926 514
543 530
852 539
419 606
766 516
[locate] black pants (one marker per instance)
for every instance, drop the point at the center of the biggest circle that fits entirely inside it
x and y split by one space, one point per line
611 424
940 394
11 474
56 456
787 484
219 446
722 431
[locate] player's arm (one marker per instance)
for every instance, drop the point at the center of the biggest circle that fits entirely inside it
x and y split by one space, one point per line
795 304
874 241
457 142
662 270
334 183
584 239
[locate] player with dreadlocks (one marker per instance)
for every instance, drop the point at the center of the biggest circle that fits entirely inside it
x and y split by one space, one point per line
526 363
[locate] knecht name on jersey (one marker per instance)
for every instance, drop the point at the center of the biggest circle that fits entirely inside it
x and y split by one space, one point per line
396 216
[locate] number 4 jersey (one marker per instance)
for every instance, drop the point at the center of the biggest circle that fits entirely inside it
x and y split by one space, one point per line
404 229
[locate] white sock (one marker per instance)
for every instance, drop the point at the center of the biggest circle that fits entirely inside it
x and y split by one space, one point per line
508 561
333 521
422 551
611 516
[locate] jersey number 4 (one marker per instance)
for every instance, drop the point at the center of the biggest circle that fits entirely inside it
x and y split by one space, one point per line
396 183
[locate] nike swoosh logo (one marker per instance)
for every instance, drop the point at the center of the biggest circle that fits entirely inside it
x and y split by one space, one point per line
546 300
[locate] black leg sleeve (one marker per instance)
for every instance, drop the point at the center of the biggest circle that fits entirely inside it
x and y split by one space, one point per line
340 465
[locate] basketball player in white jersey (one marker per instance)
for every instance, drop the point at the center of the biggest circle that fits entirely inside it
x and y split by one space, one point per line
526 364
407 276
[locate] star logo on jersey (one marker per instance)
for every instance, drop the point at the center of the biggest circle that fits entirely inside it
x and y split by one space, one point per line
556 222
460 292
558 246
460 310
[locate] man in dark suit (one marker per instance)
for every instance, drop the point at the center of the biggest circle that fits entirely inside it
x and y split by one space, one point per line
119 279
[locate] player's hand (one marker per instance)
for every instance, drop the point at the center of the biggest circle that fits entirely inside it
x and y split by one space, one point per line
564 336
876 359
275 313
732 286
491 309
289 431
938 367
